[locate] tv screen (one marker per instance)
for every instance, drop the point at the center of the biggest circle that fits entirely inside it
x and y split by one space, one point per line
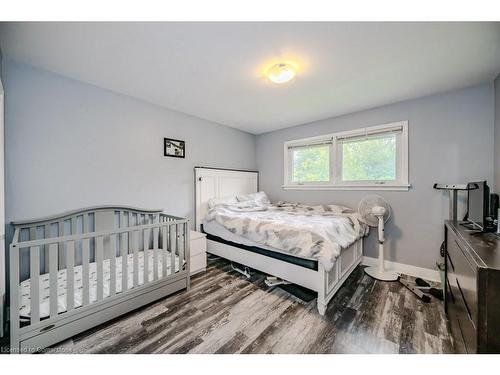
477 203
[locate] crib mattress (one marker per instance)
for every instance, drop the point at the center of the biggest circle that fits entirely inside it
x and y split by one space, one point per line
25 286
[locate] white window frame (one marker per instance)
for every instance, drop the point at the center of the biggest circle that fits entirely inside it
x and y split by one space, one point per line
336 183
308 142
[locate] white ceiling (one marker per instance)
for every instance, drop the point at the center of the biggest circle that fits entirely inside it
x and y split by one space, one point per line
214 70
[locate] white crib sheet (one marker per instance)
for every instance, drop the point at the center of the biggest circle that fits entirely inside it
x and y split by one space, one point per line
25 291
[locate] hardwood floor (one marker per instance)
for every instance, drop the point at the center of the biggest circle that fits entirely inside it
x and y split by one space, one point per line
225 313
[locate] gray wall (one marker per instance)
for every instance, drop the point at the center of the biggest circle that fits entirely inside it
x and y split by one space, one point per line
1 64
450 141
71 145
497 134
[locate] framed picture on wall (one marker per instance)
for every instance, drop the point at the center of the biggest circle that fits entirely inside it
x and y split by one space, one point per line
174 148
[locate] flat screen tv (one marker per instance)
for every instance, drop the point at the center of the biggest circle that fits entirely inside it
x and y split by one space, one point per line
478 203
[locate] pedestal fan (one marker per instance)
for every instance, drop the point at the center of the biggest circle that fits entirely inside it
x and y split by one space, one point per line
376 212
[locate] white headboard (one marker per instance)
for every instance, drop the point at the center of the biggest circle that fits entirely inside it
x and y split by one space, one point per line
220 183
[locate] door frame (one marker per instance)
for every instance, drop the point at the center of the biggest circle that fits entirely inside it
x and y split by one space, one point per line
2 214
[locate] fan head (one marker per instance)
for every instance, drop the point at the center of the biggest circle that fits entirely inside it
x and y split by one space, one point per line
372 207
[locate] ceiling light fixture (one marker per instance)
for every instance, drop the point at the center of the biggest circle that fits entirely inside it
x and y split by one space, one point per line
281 72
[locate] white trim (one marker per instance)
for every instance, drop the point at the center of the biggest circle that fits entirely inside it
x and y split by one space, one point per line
335 183
407 269
371 129
347 187
319 142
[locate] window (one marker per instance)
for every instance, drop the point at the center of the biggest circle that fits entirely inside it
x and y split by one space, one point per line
370 158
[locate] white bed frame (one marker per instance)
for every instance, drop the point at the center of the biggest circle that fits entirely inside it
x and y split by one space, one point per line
218 183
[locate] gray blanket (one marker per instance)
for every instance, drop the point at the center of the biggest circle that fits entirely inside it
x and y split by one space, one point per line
317 232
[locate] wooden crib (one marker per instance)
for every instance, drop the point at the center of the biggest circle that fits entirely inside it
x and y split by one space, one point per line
73 271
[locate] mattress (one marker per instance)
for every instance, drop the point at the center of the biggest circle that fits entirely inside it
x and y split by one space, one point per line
318 232
218 230
25 286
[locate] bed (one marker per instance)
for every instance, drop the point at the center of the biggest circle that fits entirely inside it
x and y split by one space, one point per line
73 271
322 274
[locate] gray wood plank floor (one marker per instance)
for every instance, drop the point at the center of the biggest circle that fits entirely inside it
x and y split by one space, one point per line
225 313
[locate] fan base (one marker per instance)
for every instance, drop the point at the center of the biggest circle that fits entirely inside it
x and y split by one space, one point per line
376 273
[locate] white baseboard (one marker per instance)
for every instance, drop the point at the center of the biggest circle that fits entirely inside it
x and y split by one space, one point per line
424 273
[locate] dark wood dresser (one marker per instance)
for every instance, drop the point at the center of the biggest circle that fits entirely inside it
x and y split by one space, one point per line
472 296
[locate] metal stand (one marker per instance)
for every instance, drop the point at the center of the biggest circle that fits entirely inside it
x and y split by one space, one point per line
453 191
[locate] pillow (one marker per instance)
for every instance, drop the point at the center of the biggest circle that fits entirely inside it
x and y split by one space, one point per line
259 198
212 202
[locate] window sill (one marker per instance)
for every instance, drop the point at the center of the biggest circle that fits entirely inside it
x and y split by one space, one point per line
348 187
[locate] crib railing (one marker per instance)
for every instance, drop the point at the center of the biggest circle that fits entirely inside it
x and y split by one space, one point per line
161 237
